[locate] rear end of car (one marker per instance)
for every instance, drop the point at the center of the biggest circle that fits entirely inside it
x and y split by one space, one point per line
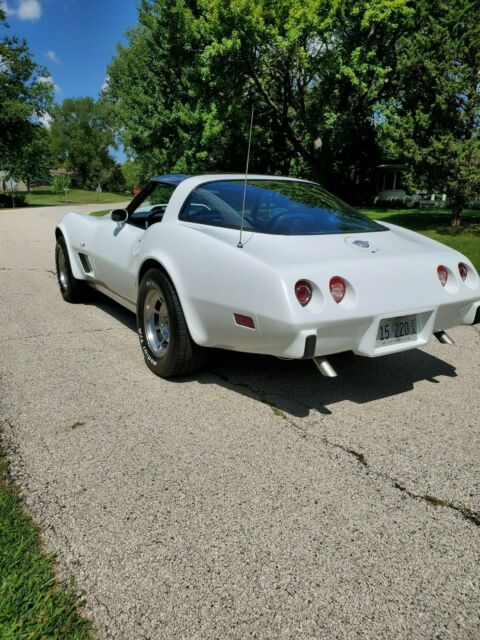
373 302
309 275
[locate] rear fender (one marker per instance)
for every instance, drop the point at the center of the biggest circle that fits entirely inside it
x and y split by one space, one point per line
213 279
194 321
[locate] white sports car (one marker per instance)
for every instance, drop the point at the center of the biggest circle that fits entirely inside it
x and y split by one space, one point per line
270 265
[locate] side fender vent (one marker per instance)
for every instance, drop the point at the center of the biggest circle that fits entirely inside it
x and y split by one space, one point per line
87 267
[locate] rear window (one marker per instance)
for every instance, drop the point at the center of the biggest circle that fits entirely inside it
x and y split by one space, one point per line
279 207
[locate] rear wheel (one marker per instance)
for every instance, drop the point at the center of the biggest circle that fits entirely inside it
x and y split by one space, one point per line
168 349
72 290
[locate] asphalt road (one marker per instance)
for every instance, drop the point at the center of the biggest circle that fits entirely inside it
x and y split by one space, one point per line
256 499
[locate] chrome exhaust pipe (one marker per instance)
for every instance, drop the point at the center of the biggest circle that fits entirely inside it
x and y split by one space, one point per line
324 366
443 337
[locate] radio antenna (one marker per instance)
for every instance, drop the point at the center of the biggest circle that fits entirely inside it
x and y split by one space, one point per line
240 243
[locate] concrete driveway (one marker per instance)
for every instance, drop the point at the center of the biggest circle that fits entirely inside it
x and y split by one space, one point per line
256 499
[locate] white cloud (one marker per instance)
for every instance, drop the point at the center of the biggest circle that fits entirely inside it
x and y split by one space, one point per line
46 120
52 56
29 10
26 9
105 83
49 80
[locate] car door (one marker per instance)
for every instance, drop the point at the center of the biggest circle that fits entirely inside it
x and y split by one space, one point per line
117 244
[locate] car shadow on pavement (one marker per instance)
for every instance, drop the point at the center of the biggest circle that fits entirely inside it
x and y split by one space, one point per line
127 318
295 387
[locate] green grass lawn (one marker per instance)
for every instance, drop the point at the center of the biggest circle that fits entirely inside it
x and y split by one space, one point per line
45 197
33 604
99 214
436 225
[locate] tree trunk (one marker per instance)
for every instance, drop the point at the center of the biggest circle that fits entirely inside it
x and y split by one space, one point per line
456 218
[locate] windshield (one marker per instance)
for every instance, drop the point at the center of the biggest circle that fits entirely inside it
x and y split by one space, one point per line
281 207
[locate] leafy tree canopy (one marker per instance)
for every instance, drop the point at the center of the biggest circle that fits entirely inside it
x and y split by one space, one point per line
134 174
34 159
26 95
315 70
337 87
81 137
433 117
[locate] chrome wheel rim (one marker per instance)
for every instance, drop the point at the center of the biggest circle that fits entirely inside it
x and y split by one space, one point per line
62 270
156 322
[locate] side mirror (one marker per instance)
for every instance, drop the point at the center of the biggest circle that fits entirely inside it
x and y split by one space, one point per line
119 215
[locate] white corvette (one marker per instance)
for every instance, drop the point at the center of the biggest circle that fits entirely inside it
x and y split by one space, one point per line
270 265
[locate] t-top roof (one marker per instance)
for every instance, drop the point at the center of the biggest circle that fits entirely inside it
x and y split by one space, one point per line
172 178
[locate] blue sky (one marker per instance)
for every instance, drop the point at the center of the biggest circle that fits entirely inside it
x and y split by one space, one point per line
74 39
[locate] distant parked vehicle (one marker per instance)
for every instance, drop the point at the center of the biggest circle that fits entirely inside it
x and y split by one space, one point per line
274 265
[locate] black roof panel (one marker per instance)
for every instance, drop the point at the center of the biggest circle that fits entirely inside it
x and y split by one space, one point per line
171 178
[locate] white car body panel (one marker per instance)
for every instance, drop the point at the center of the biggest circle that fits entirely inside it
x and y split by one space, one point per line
215 279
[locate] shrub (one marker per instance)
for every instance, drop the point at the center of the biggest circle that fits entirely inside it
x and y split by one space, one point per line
60 183
6 199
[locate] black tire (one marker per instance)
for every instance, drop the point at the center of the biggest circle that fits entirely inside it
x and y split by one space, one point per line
72 290
177 354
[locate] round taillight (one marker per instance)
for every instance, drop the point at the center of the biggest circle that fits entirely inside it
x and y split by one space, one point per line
337 288
463 270
303 291
442 274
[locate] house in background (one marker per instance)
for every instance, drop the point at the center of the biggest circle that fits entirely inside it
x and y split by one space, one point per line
21 187
390 185
391 189
4 177
75 179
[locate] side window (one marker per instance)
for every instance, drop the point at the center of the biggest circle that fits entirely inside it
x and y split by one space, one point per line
208 205
151 210
198 208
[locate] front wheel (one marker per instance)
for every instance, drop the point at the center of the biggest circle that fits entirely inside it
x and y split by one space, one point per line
168 349
72 290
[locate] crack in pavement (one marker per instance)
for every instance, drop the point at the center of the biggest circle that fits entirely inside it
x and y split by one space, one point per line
77 424
467 514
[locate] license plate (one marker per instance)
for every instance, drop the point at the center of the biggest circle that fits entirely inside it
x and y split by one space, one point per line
396 330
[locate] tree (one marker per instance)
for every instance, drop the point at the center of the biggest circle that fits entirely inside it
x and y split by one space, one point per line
81 137
34 157
315 70
61 183
152 87
134 174
115 180
433 121
25 98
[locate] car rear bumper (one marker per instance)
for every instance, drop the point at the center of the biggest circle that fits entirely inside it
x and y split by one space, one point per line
358 334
